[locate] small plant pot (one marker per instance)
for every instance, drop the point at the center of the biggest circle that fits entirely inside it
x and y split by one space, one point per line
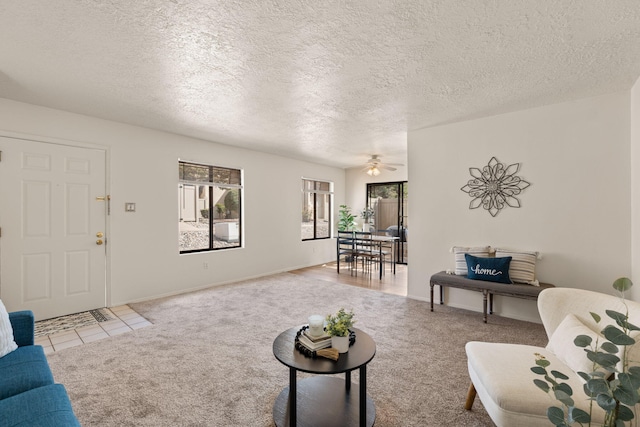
340 343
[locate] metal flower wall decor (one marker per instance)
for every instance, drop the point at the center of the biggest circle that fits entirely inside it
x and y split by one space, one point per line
495 186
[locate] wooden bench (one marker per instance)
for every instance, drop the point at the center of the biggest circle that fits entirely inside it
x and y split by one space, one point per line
488 289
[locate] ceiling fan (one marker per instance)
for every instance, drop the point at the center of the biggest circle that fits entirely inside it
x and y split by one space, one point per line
374 164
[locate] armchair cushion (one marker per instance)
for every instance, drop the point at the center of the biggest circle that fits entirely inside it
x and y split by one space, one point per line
561 343
47 406
503 379
7 344
24 369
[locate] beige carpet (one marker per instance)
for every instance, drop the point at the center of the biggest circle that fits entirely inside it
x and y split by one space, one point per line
208 361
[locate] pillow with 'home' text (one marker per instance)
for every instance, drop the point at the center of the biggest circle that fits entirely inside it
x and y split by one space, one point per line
489 269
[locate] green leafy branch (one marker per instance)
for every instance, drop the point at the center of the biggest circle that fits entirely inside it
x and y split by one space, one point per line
613 388
338 325
347 221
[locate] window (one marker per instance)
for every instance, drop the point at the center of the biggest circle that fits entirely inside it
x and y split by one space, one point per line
210 204
316 209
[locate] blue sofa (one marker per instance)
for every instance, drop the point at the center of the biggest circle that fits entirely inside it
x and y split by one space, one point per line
28 394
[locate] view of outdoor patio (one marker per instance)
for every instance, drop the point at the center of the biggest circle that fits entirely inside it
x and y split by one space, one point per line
322 229
195 235
316 209
209 213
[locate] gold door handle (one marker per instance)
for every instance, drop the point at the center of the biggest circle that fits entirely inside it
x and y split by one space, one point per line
99 242
99 235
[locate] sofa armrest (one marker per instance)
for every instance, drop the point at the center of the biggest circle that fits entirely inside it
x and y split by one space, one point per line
23 323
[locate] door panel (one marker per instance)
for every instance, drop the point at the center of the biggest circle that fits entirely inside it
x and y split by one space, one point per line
36 278
49 259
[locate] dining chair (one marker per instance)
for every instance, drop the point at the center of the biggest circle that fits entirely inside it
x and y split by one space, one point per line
367 250
345 247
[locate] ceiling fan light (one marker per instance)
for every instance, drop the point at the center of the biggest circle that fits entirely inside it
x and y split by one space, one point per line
373 171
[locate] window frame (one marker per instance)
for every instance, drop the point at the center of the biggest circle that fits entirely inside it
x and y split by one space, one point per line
211 183
315 192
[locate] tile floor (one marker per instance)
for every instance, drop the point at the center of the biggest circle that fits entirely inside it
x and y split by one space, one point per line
124 320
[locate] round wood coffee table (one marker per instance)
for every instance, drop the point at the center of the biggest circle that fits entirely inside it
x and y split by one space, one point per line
324 401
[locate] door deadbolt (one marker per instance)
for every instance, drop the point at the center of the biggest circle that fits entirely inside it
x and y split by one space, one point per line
99 234
99 242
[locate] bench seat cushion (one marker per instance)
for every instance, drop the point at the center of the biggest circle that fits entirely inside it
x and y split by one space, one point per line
515 289
47 406
464 282
515 400
24 369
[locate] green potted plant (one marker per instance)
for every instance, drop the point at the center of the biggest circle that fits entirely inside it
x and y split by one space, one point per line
338 328
347 219
613 385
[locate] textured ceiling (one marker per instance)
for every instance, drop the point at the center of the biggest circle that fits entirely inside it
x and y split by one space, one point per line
327 81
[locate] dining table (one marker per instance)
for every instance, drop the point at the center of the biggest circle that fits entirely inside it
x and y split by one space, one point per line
382 242
378 244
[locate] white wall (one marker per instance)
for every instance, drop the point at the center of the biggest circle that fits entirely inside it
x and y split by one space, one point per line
577 211
635 190
143 246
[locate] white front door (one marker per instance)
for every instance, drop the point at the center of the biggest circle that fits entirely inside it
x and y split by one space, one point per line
52 252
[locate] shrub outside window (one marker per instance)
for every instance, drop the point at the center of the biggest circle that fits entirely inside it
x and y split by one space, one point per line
316 209
210 206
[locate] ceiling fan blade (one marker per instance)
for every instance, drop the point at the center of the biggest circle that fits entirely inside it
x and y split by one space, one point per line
376 162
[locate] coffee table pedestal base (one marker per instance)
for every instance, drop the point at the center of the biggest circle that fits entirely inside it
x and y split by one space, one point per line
323 401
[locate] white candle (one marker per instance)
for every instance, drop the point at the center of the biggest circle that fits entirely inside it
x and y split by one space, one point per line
316 325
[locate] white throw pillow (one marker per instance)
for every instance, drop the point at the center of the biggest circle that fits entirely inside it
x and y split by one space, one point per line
523 265
561 344
461 262
7 344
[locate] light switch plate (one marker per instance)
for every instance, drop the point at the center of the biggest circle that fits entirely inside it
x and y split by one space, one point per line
129 207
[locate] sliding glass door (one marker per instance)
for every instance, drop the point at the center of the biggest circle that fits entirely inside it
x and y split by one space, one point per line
388 202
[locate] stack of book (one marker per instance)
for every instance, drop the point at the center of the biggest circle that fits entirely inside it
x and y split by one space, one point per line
314 343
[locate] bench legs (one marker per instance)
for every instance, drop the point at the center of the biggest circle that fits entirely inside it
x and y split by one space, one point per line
431 295
487 300
484 304
471 396
485 295
431 285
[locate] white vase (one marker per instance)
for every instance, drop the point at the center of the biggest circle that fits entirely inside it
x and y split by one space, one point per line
340 343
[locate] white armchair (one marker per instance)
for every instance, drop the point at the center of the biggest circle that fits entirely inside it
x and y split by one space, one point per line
501 373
